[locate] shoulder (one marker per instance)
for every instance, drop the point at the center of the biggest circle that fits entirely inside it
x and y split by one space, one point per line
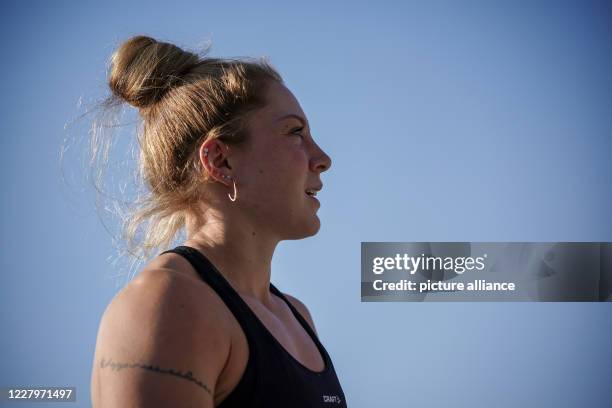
161 320
302 309
161 293
160 301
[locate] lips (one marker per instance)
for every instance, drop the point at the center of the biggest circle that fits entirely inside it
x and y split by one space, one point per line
315 200
313 197
312 191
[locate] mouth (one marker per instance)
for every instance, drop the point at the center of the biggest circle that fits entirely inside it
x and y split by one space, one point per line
312 193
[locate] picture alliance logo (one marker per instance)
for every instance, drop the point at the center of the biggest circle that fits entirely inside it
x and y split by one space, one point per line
458 264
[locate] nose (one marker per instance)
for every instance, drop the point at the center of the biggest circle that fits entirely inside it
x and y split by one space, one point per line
320 162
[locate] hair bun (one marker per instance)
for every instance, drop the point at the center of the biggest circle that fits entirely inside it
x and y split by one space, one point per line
143 69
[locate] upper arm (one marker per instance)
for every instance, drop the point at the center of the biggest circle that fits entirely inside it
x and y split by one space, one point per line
158 346
301 307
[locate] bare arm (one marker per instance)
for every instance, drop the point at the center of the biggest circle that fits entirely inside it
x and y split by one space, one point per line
158 345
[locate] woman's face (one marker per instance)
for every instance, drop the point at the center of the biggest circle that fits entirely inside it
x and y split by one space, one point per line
280 163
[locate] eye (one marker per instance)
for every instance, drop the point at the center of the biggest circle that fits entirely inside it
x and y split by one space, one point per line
298 129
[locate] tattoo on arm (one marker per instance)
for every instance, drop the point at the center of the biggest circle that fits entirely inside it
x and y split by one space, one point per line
116 366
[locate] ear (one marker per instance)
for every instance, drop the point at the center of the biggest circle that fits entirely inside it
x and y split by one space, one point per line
213 157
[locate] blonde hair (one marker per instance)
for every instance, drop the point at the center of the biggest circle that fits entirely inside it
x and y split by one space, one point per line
183 99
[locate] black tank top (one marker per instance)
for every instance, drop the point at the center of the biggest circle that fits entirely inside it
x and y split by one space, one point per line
273 377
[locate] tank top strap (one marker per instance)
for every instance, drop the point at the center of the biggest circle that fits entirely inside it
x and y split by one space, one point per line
211 275
299 317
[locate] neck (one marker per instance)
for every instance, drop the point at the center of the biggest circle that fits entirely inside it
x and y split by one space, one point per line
240 250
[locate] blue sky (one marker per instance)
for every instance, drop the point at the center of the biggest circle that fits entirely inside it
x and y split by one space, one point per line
446 121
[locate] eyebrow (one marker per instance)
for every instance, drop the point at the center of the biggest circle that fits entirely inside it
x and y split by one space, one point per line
292 115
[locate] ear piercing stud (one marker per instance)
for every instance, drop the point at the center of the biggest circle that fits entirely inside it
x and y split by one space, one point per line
222 175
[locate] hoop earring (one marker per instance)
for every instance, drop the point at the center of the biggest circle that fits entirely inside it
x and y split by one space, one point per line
235 192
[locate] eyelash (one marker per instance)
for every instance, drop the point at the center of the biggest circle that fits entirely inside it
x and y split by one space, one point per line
298 129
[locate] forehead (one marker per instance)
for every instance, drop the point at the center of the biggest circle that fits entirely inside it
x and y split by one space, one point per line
281 106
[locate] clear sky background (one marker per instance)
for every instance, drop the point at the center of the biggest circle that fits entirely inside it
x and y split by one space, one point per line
446 121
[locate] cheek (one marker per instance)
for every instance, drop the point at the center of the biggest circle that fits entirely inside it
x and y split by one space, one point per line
269 176
297 156
283 162
278 168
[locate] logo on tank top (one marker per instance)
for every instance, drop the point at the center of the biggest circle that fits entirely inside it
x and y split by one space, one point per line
332 399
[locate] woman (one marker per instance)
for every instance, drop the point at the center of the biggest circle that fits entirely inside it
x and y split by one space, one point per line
227 154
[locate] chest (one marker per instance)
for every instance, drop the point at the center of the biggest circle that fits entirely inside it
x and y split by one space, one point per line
281 333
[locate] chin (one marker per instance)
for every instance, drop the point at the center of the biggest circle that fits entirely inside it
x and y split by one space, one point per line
307 229
315 226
